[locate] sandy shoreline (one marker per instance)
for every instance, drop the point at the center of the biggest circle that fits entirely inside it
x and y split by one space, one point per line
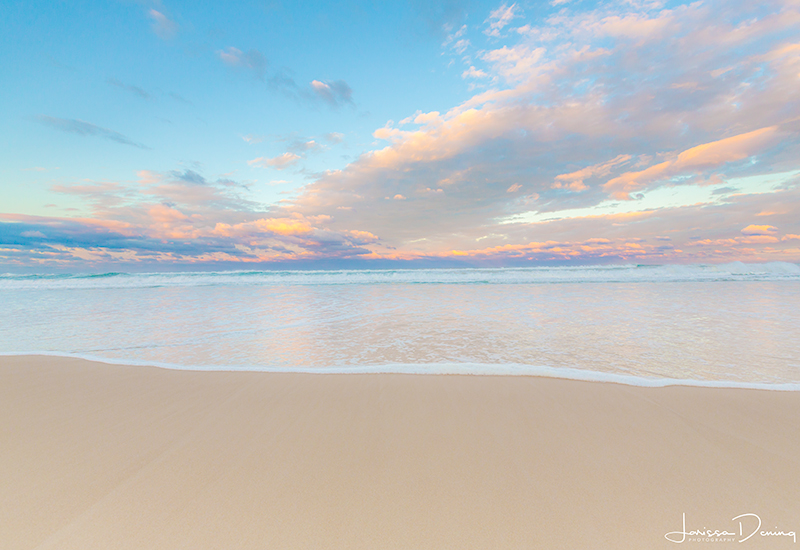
101 456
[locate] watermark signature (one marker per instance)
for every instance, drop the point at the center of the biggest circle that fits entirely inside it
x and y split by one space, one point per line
749 526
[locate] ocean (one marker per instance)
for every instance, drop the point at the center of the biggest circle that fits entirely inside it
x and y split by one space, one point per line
728 325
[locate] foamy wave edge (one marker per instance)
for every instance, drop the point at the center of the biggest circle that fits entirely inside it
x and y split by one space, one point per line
469 369
612 273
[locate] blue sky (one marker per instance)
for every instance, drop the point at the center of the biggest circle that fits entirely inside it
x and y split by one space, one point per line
189 98
168 135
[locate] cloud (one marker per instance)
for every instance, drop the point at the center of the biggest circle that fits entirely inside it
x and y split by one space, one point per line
501 17
456 42
188 176
297 149
334 137
641 236
472 72
303 147
579 119
631 26
759 230
146 225
275 226
281 162
335 93
518 63
179 216
442 16
283 81
574 180
461 46
252 60
696 102
707 155
161 25
180 99
135 90
82 128
253 139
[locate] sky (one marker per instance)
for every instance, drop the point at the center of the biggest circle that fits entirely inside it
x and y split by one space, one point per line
145 135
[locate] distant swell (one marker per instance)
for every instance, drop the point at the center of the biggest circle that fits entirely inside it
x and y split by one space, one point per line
736 271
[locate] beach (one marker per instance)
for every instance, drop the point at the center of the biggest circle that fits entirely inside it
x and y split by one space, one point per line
448 275
107 456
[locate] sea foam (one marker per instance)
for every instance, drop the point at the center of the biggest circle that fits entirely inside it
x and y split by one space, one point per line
730 324
465 369
736 271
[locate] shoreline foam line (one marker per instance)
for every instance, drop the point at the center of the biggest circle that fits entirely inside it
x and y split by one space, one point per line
467 369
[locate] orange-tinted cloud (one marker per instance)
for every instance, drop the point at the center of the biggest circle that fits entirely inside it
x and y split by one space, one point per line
707 155
574 180
759 230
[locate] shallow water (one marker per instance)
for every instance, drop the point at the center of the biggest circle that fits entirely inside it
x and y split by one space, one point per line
734 323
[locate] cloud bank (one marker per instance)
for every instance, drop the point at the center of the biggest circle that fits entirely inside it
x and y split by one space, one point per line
627 132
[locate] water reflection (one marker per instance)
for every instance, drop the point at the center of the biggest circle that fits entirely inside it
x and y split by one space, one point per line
746 331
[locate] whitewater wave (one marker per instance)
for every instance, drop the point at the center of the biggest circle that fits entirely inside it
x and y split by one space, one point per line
736 271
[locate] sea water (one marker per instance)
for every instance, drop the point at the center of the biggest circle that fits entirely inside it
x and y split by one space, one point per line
734 324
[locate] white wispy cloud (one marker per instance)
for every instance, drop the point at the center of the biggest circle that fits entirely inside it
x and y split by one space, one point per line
500 18
83 128
253 139
472 72
252 60
135 90
334 93
281 162
164 27
334 137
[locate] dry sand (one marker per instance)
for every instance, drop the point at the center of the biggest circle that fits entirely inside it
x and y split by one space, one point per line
95 456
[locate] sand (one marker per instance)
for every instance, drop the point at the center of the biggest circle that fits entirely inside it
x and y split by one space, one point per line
96 456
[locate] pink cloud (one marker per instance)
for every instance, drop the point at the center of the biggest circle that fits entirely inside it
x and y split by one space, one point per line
759 230
275 226
619 99
574 180
500 18
637 26
281 162
707 155
165 214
